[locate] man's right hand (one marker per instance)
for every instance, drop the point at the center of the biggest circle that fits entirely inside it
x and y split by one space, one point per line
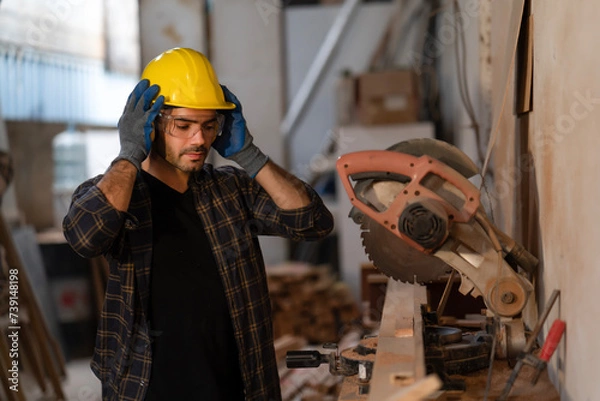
135 125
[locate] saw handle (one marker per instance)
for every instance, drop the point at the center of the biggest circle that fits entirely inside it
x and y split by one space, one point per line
554 335
305 359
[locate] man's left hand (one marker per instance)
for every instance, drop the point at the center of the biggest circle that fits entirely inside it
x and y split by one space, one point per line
235 142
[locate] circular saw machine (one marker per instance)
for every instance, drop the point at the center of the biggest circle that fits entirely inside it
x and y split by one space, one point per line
421 218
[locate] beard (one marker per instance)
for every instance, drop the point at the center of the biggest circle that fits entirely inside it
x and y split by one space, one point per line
189 159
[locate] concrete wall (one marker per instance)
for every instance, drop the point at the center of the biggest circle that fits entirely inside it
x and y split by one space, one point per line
56 53
164 25
34 174
247 54
9 199
122 31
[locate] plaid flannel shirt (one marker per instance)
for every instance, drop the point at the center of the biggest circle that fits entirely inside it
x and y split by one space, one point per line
234 210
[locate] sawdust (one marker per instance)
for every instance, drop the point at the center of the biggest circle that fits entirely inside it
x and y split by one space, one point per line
522 389
355 356
370 342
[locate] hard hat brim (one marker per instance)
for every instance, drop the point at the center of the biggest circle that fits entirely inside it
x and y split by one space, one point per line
221 106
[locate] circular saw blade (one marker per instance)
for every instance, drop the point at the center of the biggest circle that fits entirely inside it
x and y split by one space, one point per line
439 150
396 258
390 254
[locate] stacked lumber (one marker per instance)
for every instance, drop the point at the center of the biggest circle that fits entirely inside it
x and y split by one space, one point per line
309 302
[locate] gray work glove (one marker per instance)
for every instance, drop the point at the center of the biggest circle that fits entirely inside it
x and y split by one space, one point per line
135 125
235 142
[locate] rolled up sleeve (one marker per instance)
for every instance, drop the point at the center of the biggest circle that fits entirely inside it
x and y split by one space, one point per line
308 223
91 224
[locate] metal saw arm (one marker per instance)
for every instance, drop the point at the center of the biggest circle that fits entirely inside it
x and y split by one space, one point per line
413 204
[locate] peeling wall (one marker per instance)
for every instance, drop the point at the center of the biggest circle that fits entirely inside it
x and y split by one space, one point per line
545 166
565 143
545 172
164 25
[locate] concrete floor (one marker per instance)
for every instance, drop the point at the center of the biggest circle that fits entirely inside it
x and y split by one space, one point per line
82 385
79 385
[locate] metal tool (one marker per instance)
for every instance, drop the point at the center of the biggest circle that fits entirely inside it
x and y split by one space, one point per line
554 335
552 340
349 362
421 219
314 359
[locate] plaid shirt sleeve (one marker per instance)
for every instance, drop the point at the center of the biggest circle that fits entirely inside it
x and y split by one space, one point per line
311 222
92 224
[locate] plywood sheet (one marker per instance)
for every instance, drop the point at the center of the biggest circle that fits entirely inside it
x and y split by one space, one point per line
505 34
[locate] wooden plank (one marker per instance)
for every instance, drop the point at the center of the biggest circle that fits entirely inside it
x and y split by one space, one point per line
502 116
399 361
419 390
47 343
29 252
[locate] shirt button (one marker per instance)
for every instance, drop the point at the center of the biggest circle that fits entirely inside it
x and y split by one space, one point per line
142 383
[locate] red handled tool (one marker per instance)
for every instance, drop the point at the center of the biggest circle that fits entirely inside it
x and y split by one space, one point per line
554 335
538 362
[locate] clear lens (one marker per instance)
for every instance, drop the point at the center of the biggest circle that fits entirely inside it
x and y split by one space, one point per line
185 127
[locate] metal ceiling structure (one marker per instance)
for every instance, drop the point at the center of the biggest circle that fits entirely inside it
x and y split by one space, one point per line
51 87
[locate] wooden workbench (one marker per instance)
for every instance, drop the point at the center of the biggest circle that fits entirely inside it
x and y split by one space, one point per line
400 352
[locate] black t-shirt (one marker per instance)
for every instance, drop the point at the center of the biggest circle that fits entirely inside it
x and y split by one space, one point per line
194 354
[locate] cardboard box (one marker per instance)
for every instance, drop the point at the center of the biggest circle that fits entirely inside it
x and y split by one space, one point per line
387 97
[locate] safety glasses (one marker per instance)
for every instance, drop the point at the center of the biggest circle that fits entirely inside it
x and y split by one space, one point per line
185 127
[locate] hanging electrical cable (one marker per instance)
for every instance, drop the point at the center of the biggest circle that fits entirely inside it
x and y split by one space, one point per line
461 69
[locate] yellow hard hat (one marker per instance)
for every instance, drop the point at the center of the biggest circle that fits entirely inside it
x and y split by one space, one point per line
186 79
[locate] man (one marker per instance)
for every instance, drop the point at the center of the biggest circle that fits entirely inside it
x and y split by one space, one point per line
187 313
